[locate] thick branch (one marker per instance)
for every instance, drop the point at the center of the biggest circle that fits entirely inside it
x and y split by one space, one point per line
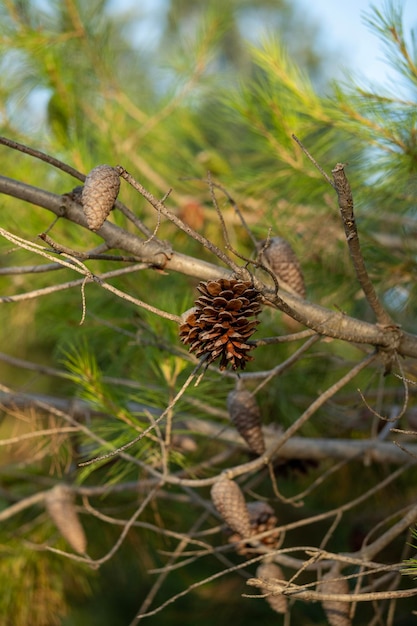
324 321
304 448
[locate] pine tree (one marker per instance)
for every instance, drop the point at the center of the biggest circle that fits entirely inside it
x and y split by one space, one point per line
124 449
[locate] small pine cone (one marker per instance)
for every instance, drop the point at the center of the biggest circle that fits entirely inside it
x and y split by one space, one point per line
262 518
282 260
278 603
219 325
246 416
59 503
337 613
230 502
260 512
99 194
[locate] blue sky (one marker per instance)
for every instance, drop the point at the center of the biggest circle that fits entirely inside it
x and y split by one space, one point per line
341 24
343 28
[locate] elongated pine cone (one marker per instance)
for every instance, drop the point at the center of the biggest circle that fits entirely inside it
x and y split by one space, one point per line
99 194
337 613
282 260
246 416
59 503
229 500
219 324
278 603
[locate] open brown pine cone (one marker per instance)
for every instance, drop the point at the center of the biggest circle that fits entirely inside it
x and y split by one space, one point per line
219 324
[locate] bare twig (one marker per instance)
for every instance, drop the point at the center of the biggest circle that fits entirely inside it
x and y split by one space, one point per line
46 291
313 160
78 266
281 367
185 541
160 207
153 424
299 593
273 450
42 156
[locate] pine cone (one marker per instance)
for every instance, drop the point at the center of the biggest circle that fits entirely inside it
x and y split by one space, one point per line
282 260
337 613
230 502
262 518
246 416
269 570
219 323
99 194
59 503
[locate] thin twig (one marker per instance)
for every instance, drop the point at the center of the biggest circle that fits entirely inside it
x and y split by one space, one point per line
78 266
282 367
313 160
42 156
223 223
46 291
166 571
237 211
153 424
199 583
270 453
267 341
159 206
158 221
317 596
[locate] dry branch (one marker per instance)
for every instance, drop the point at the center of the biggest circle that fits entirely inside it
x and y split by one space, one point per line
344 194
160 255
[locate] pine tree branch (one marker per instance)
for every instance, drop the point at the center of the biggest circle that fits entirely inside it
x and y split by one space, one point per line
304 448
344 194
290 590
157 254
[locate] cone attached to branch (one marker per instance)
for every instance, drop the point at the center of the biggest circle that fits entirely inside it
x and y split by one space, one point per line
337 613
99 194
230 502
262 518
279 602
219 324
279 256
246 416
59 503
